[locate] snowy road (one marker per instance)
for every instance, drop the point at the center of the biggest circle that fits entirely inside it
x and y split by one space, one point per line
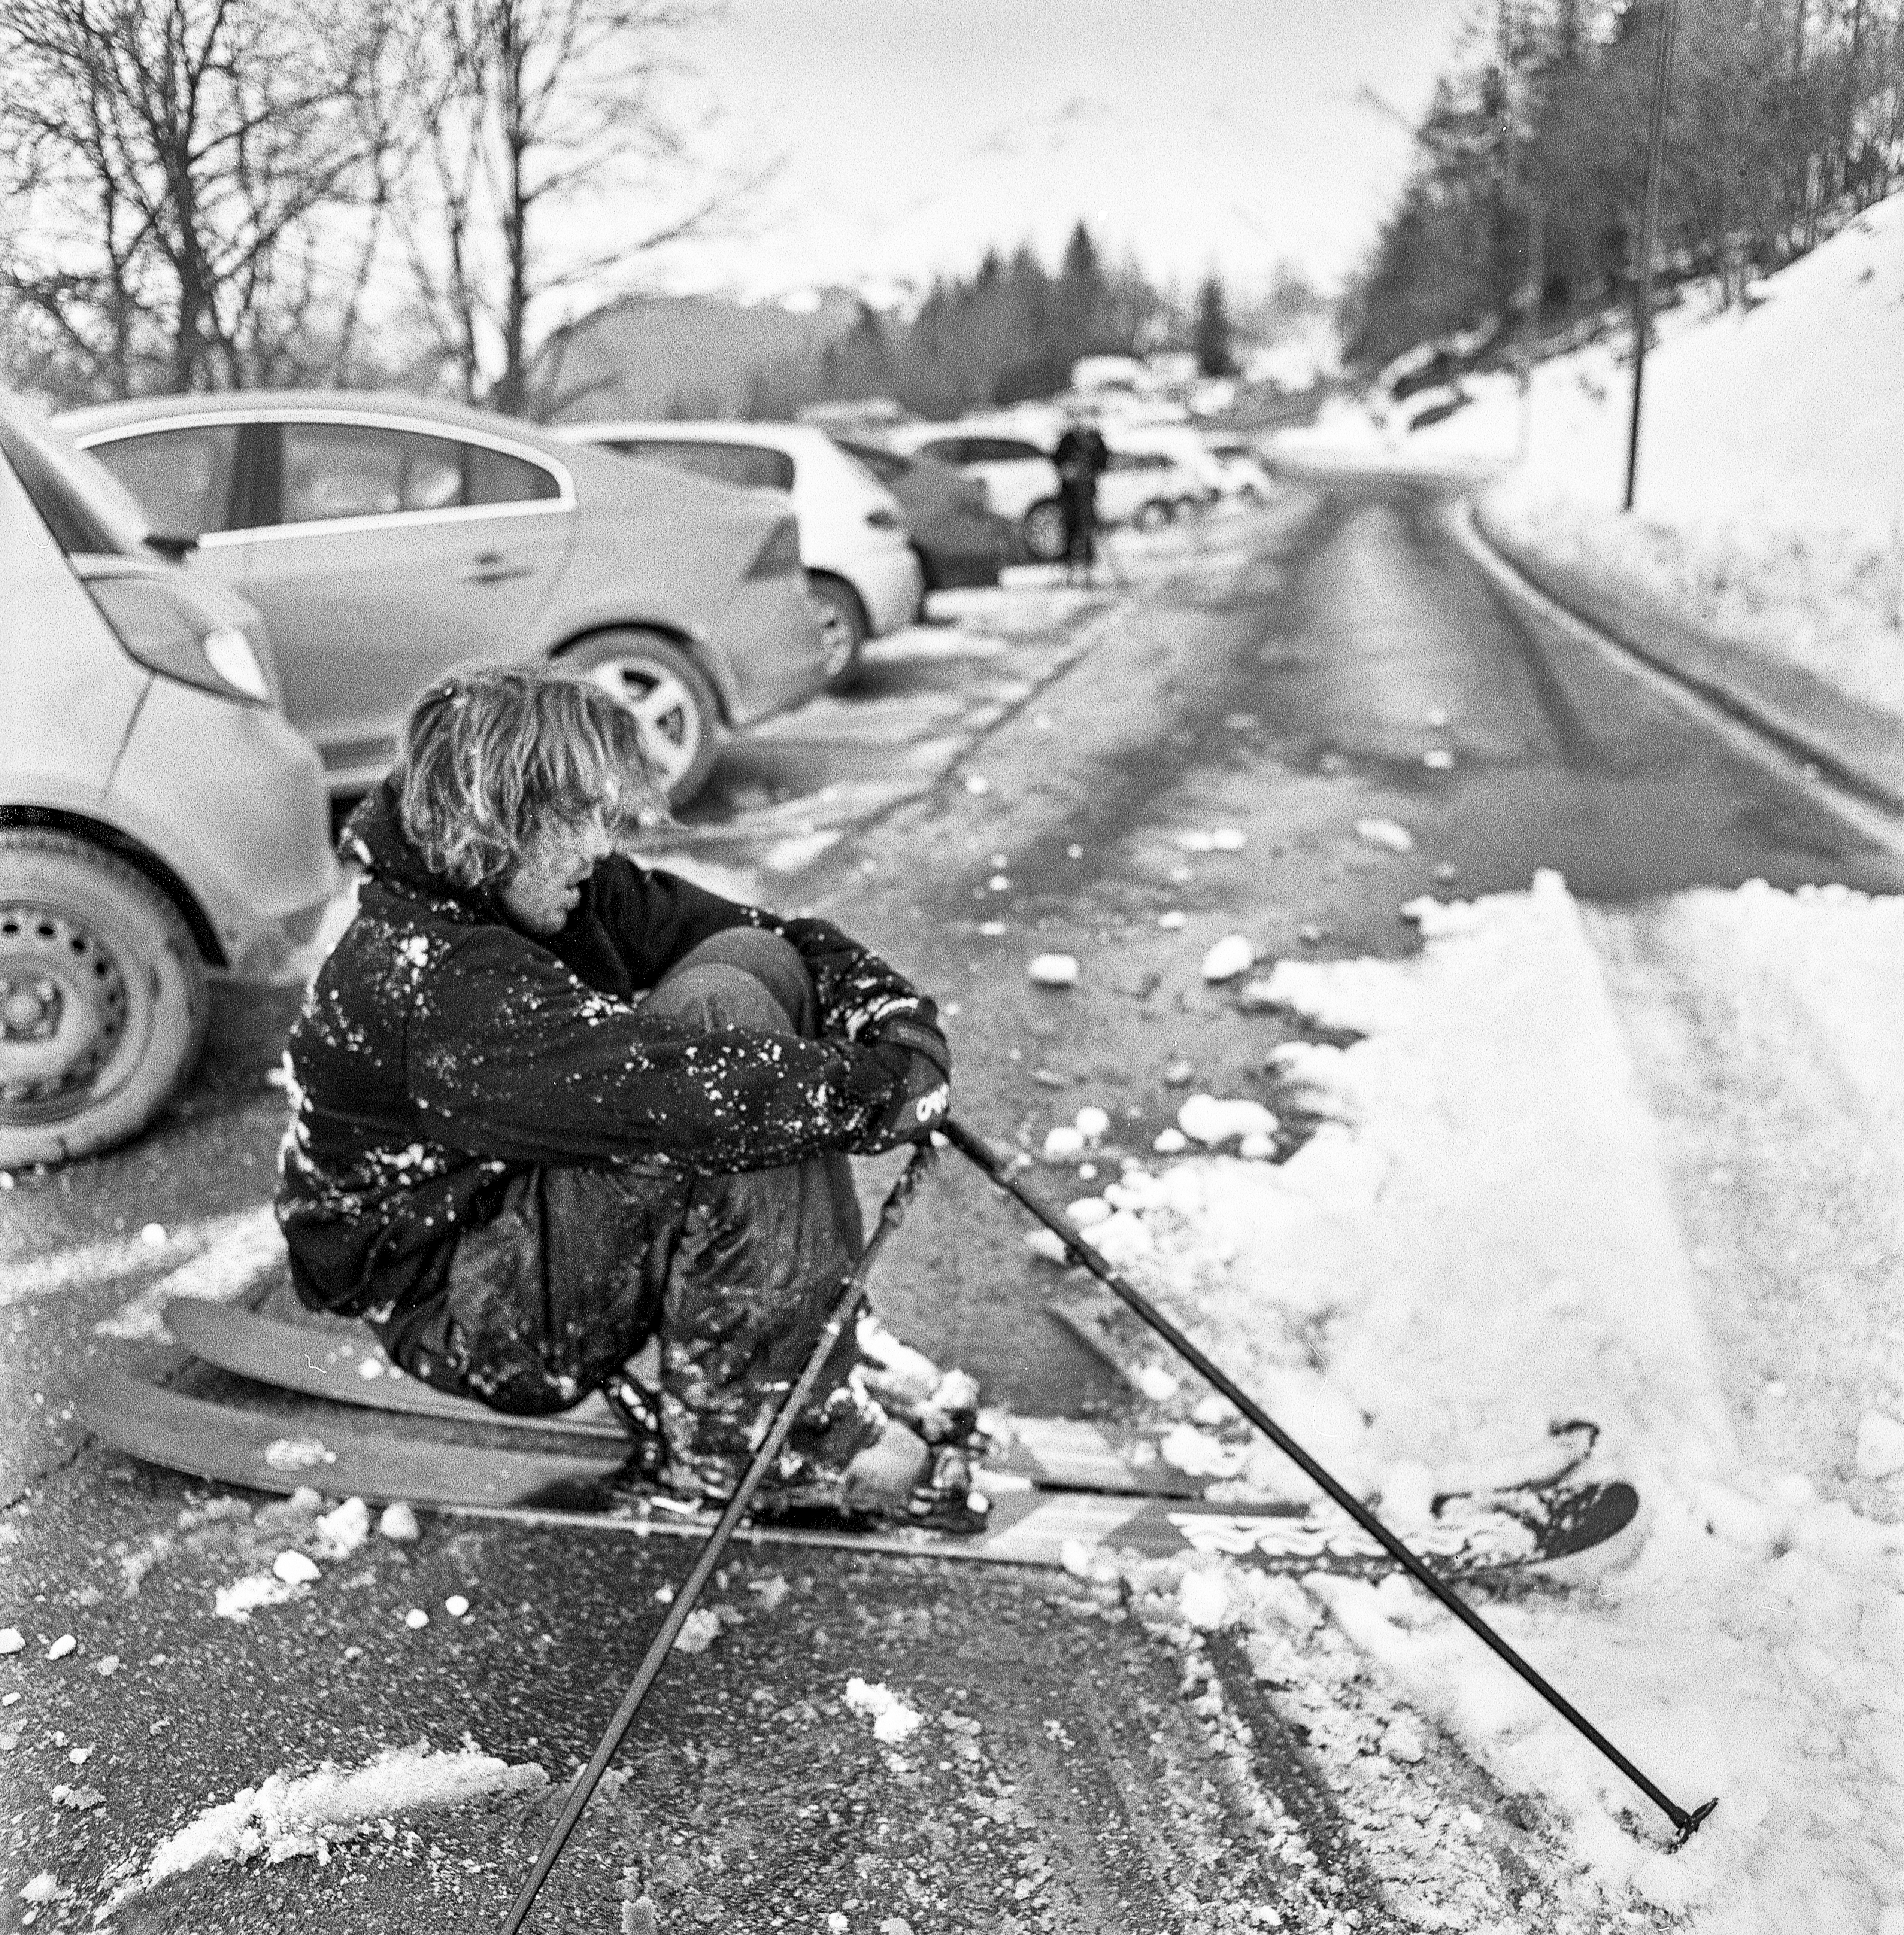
1334 687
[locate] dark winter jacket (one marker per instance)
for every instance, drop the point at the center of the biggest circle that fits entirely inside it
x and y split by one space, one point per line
441 1050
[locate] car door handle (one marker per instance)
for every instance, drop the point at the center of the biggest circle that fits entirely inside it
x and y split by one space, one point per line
491 567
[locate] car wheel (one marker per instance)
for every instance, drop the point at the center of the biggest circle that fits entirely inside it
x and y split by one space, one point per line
103 999
843 630
1152 515
671 698
1043 529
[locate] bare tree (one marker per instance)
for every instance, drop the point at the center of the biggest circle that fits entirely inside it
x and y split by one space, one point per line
166 165
535 104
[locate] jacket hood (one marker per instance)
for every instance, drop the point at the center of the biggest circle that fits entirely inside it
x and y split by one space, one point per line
374 841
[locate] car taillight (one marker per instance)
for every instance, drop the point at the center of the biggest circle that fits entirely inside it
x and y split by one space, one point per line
882 519
168 634
781 554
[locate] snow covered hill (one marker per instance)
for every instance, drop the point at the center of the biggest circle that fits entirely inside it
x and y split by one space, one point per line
1771 493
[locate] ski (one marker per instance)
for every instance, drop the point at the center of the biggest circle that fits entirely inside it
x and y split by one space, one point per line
346 1365
338 1451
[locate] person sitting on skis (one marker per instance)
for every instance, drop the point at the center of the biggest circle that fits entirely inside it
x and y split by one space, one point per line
564 1124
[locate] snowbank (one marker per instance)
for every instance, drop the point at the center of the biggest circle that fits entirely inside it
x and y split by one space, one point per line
1484 1240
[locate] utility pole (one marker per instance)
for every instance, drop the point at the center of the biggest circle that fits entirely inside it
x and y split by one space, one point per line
1642 292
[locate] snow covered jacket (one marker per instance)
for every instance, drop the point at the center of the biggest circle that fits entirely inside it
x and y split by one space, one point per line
441 1050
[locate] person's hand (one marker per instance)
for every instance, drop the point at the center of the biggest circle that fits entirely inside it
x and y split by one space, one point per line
916 1054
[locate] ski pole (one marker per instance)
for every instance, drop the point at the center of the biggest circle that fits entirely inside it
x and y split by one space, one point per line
845 1306
1687 1822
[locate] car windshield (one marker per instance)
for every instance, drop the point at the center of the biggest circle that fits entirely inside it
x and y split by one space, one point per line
78 500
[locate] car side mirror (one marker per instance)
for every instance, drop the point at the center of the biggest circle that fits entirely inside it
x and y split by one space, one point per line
174 546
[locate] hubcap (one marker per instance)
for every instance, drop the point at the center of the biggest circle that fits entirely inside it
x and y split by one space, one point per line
835 637
64 1008
664 709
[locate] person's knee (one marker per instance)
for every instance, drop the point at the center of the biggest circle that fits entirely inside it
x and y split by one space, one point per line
774 966
711 994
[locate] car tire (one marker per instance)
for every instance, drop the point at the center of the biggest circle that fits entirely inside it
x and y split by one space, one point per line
103 998
1153 515
669 695
843 627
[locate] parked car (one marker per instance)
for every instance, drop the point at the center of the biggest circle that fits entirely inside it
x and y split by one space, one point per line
960 540
1183 473
1245 479
160 822
386 539
1146 488
1020 479
853 541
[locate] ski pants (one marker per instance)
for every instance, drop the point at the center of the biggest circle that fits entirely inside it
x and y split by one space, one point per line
732 1275
1078 500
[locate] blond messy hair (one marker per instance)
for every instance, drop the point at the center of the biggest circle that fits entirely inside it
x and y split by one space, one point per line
493 760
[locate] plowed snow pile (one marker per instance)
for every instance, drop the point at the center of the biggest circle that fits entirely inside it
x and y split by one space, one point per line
1486 1238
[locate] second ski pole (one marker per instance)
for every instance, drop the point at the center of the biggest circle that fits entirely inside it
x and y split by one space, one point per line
1686 1820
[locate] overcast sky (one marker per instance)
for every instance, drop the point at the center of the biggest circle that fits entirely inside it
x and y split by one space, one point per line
1201 133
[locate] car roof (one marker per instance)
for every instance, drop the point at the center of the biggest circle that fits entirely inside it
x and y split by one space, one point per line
252 403
793 438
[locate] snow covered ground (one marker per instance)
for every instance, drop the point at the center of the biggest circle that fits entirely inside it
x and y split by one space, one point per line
1771 493
1568 1173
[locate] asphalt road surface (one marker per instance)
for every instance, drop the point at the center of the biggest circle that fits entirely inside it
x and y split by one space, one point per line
1013 781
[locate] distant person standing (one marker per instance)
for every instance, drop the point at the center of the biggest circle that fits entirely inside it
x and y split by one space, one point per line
1082 457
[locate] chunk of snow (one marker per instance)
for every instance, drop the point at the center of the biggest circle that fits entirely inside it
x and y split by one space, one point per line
297 1454
153 1233
1063 1143
44 1887
238 1600
1178 1073
1438 759
1213 1409
456 1605
1387 833
1156 1382
340 1531
1087 1210
1198 1454
1254 997
1229 839
1403 1741
1232 955
1054 971
1170 1141
1204 1599
1092 1123
61 1647
1880 1446
978 782
699 1631
1194 840
107 1667
770 1592
991 929
398 1523
295 1569
1256 1146
1172 920
1213 1122
416 1619
11 1641
1047 1244
893 1719
283 1818
999 883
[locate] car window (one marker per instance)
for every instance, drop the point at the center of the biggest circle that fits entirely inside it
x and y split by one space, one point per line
883 464
950 449
181 478
1009 450
757 466
363 470
494 477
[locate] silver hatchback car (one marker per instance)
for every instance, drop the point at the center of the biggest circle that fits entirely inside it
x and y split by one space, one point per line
159 821
386 538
